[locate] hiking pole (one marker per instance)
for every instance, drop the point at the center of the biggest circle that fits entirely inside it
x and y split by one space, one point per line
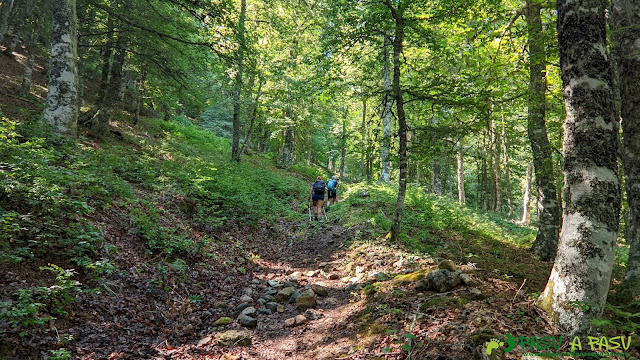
309 207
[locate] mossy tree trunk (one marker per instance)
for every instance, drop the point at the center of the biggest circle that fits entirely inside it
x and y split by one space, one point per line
546 242
526 199
626 28
584 262
62 98
460 173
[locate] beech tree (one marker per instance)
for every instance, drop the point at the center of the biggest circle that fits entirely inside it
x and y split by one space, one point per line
546 241
585 257
625 26
62 96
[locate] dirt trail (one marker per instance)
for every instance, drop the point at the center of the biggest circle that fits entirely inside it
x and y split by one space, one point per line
314 259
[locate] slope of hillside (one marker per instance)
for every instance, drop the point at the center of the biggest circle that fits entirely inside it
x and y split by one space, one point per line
151 243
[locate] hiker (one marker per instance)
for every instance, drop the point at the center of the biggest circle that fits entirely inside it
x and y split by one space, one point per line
317 195
332 191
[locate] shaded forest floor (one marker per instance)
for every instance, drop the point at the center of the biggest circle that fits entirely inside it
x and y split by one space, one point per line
167 244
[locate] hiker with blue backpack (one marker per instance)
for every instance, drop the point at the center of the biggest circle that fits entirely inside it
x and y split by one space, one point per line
332 191
317 195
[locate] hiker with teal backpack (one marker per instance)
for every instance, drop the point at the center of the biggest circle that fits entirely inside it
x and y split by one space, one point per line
317 195
332 191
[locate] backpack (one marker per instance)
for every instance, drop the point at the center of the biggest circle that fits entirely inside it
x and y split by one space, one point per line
332 184
318 187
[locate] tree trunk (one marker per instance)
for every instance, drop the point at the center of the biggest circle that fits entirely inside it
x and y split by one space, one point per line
386 114
253 113
288 150
507 177
585 258
30 47
363 131
497 177
437 176
460 172
546 242
62 98
343 145
237 88
627 47
402 123
526 200
7 8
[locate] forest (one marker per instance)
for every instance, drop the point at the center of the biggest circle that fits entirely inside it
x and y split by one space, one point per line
159 162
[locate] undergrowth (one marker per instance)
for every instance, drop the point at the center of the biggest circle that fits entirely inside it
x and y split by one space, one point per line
166 180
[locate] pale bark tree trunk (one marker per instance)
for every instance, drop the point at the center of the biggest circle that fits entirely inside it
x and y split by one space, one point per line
437 175
398 15
11 42
309 148
288 150
507 175
62 96
386 114
363 130
546 242
526 200
585 258
626 28
237 88
495 143
460 172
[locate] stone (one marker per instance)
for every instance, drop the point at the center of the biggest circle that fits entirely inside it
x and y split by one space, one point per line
242 306
280 308
250 311
267 297
306 300
355 279
442 280
248 291
222 321
274 283
288 284
262 301
271 306
204 341
265 311
284 295
334 276
300 319
359 270
294 297
229 357
255 281
294 277
311 273
469 281
247 321
320 290
295 321
311 314
234 338
351 287
422 285
476 294
290 322
246 299
271 291
380 276
447 265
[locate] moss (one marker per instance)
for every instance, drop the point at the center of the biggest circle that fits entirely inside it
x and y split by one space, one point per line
411 277
546 302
